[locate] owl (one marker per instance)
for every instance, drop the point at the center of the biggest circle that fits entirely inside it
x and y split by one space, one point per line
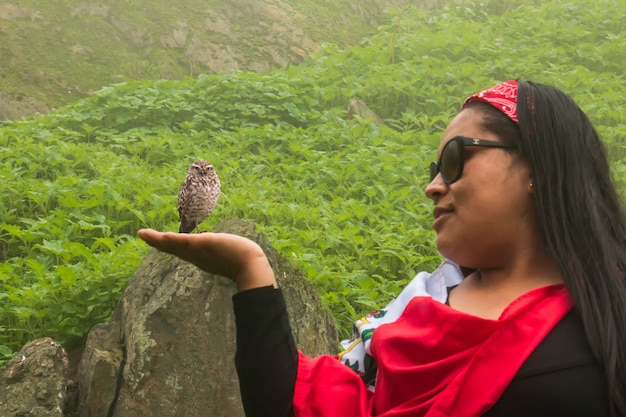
198 195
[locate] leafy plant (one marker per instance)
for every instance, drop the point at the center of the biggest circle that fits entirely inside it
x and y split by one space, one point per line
342 198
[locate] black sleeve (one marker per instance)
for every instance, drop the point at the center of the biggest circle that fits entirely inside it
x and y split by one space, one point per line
266 357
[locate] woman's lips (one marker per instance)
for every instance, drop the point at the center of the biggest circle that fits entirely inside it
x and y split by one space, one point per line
440 214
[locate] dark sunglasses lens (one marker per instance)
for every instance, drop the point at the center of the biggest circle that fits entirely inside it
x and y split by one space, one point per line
451 161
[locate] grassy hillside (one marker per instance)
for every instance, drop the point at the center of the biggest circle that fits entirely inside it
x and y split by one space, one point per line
56 52
342 198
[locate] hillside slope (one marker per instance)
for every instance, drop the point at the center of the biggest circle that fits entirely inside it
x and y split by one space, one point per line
55 52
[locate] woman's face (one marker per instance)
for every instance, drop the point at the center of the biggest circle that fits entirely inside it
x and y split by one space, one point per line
485 216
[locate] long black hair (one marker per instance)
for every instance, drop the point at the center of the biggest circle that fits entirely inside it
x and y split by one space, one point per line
580 215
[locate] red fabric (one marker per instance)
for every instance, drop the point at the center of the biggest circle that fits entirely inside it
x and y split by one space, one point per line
502 96
433 361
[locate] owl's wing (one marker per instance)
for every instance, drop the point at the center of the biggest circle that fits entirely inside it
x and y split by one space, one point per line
183 197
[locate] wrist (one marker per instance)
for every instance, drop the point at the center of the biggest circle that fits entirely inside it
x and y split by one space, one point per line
256 272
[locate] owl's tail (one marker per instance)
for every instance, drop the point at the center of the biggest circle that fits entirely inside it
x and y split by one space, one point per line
186 226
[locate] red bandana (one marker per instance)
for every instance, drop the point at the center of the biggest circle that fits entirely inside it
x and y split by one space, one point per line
502 96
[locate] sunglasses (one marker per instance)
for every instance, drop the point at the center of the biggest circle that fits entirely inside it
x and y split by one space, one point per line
452 158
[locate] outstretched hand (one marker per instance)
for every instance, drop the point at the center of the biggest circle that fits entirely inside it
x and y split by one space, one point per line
228 255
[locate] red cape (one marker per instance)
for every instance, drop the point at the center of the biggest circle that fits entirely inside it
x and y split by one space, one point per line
433 361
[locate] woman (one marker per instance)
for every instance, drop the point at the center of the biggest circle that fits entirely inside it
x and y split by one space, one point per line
534 326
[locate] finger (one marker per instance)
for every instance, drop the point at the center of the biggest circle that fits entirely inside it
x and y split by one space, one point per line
163 241
150 236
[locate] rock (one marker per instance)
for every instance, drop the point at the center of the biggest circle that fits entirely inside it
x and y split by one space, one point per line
168 349
101 366
33 383
358 108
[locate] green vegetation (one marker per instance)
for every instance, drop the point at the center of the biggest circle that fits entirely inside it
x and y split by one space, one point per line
343 199
58 52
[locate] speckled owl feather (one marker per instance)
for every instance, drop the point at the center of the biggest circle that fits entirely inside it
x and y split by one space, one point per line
198 195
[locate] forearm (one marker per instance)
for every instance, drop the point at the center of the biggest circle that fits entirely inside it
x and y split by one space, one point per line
266 357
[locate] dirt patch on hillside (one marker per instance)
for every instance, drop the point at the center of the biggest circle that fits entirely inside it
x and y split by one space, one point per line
17 106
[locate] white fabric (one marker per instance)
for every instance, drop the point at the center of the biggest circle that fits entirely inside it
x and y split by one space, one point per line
355 350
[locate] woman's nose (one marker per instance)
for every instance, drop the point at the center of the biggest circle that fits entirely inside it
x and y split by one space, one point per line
436 188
